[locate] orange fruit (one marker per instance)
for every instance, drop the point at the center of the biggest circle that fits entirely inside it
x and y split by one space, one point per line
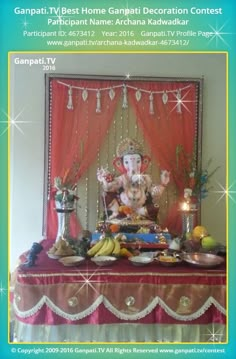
199 232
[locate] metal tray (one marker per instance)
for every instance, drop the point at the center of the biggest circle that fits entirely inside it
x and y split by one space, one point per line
203 260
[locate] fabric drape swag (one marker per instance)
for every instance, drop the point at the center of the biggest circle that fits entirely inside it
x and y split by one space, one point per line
77 135
167 129
78 132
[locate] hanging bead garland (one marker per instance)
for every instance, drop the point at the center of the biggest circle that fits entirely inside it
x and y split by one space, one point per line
151 108
98 96
178 97
138 95
112 94
70 102
85 94
165 98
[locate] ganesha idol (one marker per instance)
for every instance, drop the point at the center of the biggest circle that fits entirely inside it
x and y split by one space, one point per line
131 194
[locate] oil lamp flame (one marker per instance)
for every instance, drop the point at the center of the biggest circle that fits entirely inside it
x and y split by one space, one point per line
185 206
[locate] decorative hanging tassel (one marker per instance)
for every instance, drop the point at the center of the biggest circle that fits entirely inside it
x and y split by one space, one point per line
138 95
70 102
164 98
125 99
112 94
151 108
84 94
98 108
179 101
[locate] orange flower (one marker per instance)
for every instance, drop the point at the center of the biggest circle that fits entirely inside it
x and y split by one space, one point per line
114 228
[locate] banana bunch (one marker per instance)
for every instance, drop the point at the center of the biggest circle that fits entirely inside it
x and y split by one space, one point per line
105 247
116 249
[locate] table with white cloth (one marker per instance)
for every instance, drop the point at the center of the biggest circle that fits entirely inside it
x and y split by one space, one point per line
118 303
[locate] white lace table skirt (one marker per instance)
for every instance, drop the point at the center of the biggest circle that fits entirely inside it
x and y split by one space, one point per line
118 333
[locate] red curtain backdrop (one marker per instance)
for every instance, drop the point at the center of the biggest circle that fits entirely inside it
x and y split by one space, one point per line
77 134
167 129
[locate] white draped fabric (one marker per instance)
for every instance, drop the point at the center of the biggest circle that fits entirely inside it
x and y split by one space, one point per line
170 333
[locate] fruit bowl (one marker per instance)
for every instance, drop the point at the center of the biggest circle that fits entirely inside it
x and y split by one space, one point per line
71 261
103 260
203 260
168 260
140 260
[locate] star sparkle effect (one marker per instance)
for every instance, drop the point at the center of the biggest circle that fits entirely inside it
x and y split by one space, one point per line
88 281
3 290
13 122
58 16
225 192
25 23
215 336
130 11
218 35
181 101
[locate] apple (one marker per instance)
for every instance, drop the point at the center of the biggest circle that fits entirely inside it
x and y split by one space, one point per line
208 242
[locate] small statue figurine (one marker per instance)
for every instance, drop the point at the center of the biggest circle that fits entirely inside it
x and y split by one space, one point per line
132 189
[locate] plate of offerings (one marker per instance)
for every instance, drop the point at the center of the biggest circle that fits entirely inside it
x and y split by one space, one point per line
203 260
